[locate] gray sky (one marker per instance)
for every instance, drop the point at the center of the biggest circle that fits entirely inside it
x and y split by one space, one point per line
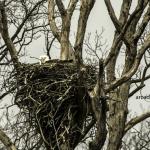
98 19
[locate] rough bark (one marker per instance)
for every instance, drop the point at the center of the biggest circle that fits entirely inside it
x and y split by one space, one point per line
118 104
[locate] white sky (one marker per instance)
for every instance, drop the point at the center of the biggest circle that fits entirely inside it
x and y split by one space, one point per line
98 19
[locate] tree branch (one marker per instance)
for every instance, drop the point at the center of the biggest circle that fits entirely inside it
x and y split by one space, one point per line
63 35
99 110
85 9
71 6
25 19
134 68
143 78
51 18
119 35
124 13
136 120
7 92
139 80
61 7
6 37
143 25
113 15
88 128
136 90
6 141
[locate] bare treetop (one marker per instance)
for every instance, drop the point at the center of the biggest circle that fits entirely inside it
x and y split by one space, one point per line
66 102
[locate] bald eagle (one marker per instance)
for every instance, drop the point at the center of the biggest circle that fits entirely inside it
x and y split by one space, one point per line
43 59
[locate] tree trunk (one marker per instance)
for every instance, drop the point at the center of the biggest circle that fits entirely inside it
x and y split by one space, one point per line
64 55
118 108
117 116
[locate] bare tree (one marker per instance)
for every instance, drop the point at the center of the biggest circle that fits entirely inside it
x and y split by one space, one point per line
66 101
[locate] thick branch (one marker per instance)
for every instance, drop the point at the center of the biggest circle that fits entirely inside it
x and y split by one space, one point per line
124 13
6 37
117 42
113 15
136 90
51 18
99 109
132 22
71 7
143 25
85 9
62 36
136 120
61 7
6 141
134 68
67 52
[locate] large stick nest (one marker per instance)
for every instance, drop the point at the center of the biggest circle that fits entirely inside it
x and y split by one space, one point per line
49 93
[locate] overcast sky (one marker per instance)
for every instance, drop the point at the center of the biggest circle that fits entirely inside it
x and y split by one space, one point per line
98 19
